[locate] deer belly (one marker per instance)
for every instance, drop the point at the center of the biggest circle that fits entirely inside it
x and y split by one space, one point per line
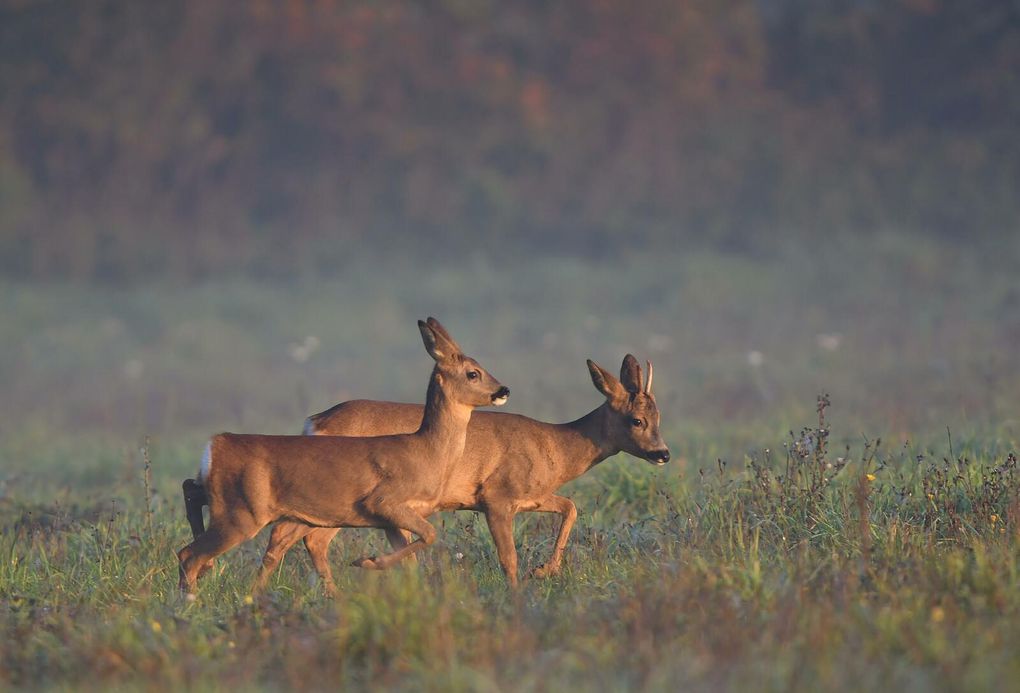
331 519
424 507
460 496
462 504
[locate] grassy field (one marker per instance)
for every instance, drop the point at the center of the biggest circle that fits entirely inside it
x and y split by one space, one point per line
876 548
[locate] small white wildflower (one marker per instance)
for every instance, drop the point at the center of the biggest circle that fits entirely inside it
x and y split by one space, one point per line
133 369
303 351
828 342
459 556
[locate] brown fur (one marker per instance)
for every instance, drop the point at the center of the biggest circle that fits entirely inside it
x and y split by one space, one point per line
510 464
392 481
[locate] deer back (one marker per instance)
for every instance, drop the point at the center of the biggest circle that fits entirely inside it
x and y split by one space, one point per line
322 480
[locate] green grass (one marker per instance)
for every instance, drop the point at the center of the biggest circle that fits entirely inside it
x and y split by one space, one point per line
747 563
729 579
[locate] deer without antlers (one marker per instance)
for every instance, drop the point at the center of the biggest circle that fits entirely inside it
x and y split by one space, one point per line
392 482
510 464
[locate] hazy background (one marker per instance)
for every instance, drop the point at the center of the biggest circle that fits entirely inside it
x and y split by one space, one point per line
224 215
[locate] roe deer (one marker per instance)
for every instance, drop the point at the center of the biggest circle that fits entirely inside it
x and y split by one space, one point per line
391 482
510 463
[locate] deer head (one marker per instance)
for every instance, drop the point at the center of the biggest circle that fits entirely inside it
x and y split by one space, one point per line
460 376
633 416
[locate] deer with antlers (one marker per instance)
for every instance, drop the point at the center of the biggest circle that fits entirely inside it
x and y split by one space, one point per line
511 463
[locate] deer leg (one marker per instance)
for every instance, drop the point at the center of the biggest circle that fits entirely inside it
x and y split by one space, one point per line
400 517
317 544
284 535
194 499
399 538
568 511
214 541
501 526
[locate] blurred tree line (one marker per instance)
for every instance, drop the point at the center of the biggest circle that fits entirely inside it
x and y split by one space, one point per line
197 136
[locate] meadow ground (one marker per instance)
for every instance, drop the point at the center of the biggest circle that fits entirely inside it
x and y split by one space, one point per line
875 549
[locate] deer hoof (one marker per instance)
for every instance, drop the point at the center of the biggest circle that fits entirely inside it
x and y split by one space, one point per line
368 563
204 569
544 571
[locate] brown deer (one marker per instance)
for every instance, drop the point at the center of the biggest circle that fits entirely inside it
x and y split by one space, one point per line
510 464
392 482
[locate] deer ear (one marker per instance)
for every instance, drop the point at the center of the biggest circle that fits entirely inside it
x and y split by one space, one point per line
630 374
438 327
604 381
446 343
432 341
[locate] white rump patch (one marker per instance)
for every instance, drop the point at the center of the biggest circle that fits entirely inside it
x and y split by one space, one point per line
203 470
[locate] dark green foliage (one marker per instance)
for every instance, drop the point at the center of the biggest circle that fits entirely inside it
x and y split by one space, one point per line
282 138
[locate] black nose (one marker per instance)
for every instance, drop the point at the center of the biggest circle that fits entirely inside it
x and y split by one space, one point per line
501 392
660 456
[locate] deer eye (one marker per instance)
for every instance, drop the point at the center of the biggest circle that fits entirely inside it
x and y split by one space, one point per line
637 423
473 375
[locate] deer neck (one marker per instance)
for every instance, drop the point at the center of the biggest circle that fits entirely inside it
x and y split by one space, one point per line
444 424
587 444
